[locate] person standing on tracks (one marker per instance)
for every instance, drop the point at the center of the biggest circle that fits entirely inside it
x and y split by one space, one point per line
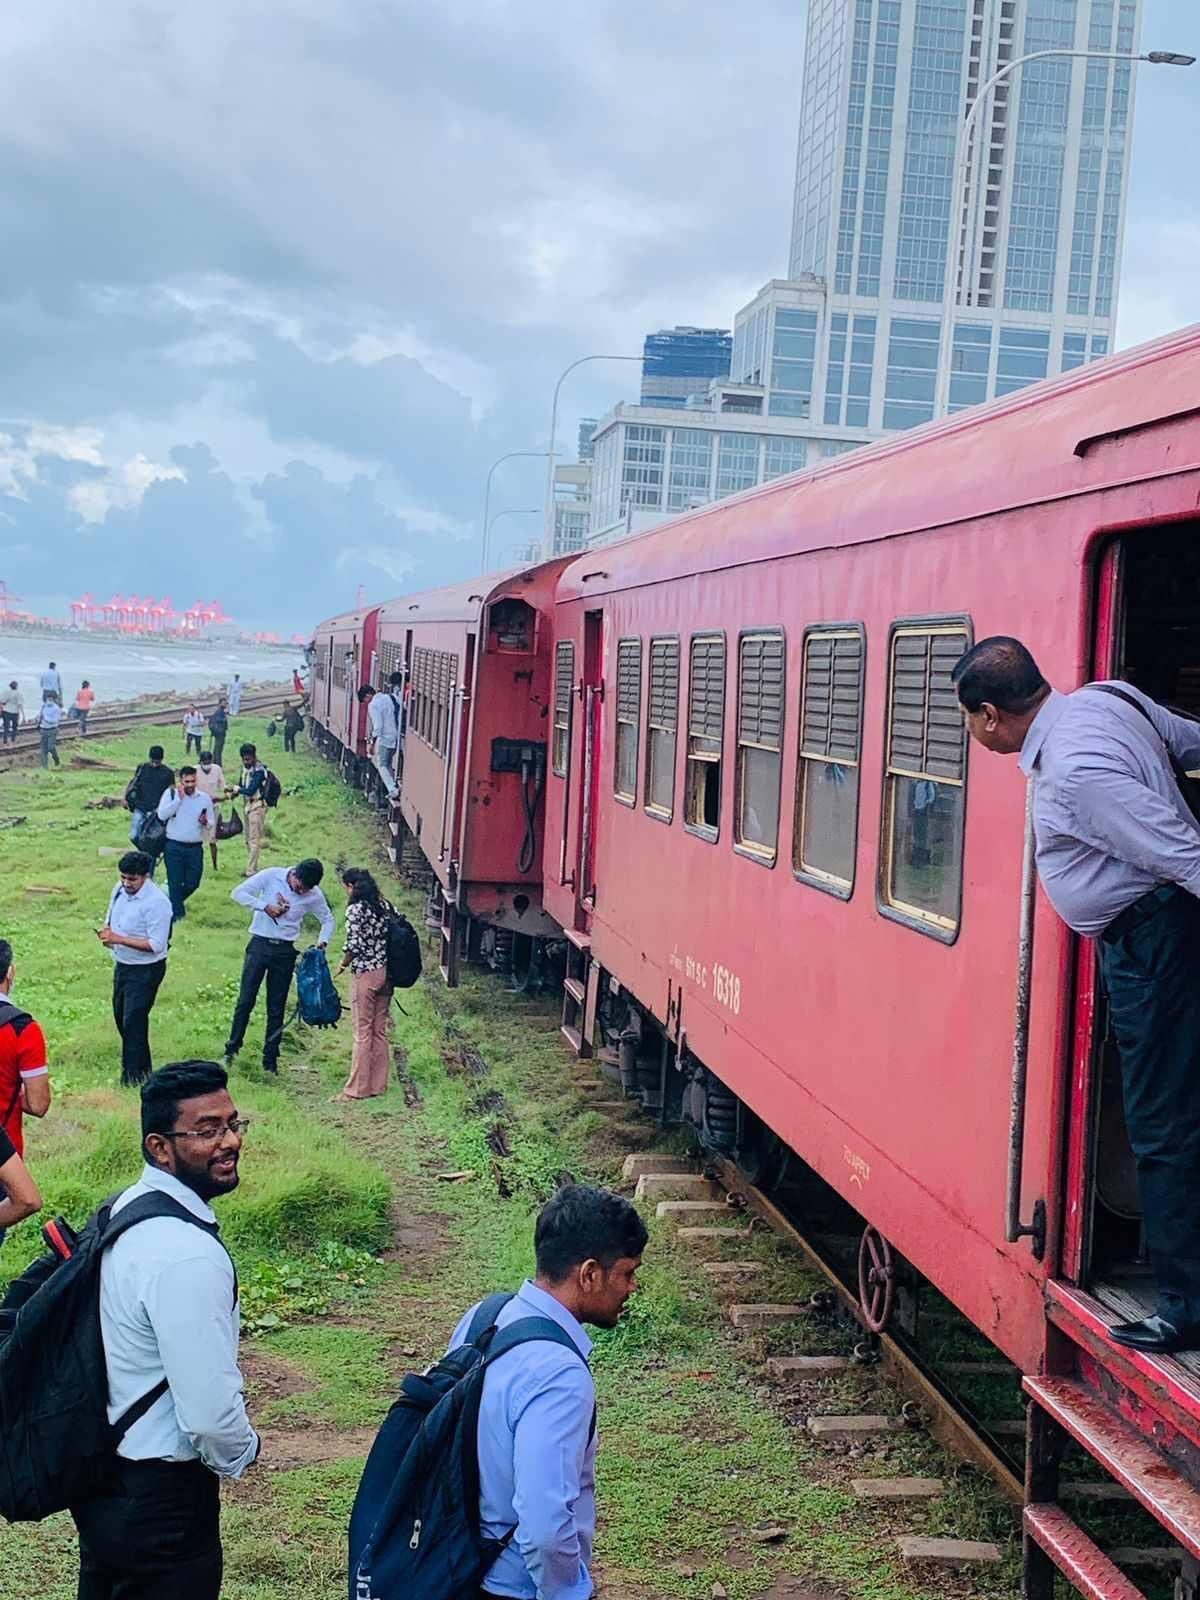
1118 854
51 682
85 699
252 790
218 726
170 1326
50 716
137 931
188 814
24 1073
234 697
280 900
537 1415
383 713
12 709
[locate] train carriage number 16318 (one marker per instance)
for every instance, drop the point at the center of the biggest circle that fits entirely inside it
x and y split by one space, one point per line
727 988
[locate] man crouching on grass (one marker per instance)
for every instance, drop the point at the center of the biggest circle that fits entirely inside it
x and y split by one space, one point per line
170 1324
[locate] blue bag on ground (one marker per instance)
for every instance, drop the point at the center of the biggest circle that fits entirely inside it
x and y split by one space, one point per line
318 1001
414 1530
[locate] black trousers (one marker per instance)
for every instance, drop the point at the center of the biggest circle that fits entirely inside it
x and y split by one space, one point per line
189 740
8 726
218 747
185 868
135 989
1152 975
274 960
159 1535
289 737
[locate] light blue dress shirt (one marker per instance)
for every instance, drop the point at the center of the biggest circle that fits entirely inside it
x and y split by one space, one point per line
537 1457
168 1309
1110 822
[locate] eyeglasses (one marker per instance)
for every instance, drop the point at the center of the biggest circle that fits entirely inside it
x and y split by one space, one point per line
236 1125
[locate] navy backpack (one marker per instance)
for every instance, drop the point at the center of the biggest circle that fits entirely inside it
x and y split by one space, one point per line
415 1528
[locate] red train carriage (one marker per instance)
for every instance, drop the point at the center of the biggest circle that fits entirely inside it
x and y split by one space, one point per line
778 863
343 658
476 659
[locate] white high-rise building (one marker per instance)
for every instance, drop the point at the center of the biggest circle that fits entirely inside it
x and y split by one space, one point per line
886 86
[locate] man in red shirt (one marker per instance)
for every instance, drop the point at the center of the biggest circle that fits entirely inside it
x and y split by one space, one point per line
24 1075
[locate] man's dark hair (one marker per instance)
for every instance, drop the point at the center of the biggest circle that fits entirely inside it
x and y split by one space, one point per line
248 750
366 692
184 771
6 958
136 864
53 663
582 1223
156 752
1000 671
164 1090
309 871
396 680
205 755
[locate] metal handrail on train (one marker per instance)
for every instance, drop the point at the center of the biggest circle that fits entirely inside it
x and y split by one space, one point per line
1014 1228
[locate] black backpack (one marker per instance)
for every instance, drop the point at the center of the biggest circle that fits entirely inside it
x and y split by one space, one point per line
415 1529
403 952
271 789
57 1446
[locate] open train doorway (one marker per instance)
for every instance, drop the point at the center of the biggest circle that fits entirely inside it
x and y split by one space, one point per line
1149 635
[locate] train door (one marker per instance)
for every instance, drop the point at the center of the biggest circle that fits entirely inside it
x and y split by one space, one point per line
587 810
1148 633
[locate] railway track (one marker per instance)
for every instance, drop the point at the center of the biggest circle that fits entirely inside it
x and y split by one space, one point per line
112 723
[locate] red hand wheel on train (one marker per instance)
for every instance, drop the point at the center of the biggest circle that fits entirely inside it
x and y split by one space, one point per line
876 1280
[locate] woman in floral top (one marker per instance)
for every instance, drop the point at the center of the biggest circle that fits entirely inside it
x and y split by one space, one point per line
365 953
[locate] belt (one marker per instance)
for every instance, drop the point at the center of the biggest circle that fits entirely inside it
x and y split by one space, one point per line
1140 911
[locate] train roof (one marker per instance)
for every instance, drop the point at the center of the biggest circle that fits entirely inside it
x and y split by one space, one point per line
463 602
1044 442
345 619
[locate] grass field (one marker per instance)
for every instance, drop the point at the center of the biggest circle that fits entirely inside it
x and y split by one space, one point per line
356 1259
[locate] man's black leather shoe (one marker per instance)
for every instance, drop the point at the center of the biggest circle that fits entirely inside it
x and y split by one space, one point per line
1156 1336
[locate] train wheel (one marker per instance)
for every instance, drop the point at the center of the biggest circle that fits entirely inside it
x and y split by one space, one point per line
876 1280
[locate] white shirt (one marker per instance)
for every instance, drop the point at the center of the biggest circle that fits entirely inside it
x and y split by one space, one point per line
168 1309
51 679
194 722
144 915
10 701
50 715
234 698
382 716
264 887
186 815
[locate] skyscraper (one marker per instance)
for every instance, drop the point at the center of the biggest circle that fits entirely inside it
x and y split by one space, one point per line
679 363
886 86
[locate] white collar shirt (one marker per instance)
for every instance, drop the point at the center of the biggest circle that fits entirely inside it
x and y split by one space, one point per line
272 884
169 1309
186 815
144 915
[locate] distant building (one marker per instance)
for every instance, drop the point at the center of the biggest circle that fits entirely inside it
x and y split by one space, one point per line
679 363
572 506
587 427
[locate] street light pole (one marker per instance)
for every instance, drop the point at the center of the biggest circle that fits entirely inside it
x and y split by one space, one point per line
960 195
487 496
525 511
548 528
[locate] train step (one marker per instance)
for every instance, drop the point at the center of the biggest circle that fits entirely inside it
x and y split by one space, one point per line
1124 1454
1080 1559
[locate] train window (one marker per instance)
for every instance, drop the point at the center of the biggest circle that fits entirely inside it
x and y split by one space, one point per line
389 659
629 712
705 734
511 626
662 723
564 683
831 699
760 744
921 860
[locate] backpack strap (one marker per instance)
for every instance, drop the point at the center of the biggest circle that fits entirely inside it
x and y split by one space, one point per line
1178 770
486 1313
528 1331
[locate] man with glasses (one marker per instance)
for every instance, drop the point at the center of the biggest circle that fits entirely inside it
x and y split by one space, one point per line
170 1323
137 930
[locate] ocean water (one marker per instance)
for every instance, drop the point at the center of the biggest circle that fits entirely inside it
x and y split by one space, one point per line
119 669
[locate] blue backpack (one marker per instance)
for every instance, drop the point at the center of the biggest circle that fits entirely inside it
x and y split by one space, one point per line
415 1528
318 1002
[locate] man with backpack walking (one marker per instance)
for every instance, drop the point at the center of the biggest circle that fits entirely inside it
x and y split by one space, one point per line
259 789
280 899
524 1401
145 789
169 1321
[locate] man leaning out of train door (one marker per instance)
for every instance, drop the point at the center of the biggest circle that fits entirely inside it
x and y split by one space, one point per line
1118 854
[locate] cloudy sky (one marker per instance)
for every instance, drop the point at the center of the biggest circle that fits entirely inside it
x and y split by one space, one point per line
280 278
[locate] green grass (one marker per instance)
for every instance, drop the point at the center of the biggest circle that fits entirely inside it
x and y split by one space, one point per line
696 1451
